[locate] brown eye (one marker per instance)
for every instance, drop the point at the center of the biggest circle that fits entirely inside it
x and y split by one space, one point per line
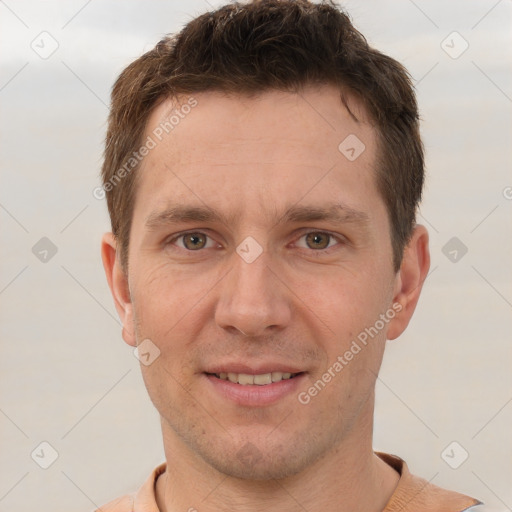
194 241
318 240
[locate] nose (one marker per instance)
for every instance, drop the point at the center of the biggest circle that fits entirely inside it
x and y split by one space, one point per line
253 299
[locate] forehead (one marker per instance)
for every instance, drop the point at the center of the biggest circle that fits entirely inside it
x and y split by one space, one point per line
258 151
316 116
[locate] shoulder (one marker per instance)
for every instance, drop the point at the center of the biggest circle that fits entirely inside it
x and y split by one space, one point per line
415 494
122 504
144 500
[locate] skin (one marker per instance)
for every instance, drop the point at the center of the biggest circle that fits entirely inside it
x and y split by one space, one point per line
301 302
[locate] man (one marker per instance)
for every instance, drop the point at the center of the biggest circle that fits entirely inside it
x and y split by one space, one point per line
262 171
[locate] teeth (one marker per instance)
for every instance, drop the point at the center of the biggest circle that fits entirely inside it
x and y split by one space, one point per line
260 380
245 379
265 378
277 376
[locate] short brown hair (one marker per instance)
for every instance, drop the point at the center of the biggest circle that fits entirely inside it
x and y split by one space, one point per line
270 45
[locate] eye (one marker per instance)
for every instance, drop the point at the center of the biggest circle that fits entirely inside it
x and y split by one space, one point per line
192 241
318 240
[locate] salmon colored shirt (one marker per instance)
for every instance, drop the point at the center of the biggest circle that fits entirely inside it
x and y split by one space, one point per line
412 494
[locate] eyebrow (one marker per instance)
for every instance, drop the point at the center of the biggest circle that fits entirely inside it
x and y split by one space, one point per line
336 213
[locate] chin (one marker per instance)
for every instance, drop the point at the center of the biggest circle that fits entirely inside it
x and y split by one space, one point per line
251 452
249 463
259 459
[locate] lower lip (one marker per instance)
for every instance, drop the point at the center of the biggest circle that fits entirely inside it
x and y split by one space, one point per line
253 395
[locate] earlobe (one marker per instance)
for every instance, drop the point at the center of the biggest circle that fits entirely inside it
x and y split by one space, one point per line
118 284
409 280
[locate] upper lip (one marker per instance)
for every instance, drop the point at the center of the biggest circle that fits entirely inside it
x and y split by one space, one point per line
253 369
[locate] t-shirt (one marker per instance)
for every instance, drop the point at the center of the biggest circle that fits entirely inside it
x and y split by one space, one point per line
412 494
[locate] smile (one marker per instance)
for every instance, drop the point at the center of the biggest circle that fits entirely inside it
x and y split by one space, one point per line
261 379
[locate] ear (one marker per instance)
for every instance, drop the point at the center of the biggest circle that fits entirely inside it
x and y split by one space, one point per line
118 284
409 281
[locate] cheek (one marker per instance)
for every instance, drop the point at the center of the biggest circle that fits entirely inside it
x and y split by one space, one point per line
164 296
356 339
172 308
348 303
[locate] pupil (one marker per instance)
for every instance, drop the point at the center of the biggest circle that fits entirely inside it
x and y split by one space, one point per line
316 239
196 241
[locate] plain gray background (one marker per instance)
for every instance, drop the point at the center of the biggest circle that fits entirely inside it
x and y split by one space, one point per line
66 376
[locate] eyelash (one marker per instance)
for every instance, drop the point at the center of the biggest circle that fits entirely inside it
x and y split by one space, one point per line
338 238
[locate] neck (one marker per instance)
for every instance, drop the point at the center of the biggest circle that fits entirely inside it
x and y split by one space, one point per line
349 477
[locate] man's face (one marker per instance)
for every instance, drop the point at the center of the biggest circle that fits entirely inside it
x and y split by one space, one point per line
258 248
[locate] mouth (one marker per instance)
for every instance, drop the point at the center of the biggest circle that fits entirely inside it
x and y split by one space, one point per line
251 387
262 379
